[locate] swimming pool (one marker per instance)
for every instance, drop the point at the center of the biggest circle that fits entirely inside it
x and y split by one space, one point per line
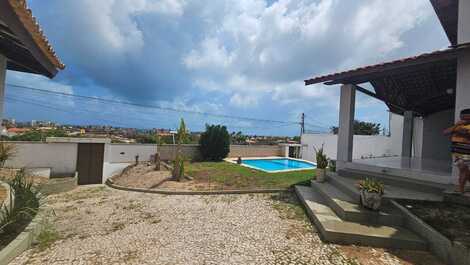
278 164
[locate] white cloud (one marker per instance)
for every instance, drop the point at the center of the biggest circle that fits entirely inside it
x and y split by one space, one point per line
271 49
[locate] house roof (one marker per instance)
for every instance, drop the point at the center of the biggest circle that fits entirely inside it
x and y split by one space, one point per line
447 12
22 41
420 83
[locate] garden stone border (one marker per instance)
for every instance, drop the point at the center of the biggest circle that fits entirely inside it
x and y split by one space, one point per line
453 253
26 238
111 184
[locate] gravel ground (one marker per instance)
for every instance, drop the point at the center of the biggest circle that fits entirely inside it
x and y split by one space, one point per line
98 225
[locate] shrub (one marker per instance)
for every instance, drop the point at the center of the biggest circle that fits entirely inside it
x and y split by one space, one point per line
332 165
322 160
178 167
214 143
7 151
371 185
24 206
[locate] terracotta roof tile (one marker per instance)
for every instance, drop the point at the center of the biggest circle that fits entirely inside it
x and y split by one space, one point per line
382 66
29 21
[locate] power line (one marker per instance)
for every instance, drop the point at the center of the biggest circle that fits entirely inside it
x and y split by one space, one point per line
40 104
152 106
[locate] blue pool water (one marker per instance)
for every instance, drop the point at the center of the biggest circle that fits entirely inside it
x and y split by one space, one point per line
280 164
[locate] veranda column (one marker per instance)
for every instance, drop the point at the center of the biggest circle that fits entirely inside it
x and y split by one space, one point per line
3 73
462 93
407 140
346 121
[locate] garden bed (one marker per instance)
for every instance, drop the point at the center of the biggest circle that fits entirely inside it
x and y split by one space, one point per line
451 220
209 176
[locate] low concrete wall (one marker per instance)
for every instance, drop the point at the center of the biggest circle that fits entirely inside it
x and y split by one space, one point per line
451 253
24 240
61 158
255 150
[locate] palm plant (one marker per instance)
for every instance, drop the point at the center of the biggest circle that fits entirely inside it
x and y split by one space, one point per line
24 203
7 151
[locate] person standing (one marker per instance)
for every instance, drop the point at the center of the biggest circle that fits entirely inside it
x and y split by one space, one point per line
460 137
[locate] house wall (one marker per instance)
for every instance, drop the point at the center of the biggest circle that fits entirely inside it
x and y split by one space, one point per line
428 140
435 144
60 157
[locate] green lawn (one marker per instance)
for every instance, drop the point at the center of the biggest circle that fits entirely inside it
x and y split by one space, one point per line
233 176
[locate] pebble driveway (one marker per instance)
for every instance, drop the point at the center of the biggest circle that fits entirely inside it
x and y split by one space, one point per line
99 225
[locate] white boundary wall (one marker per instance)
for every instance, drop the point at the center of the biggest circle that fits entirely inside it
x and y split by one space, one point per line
61 158
363 145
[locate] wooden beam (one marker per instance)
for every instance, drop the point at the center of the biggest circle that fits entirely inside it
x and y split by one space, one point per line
14 24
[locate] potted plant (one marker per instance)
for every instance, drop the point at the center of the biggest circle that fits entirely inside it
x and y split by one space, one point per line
371 193
332 165
322 164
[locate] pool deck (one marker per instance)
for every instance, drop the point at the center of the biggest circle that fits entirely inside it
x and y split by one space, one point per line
233 160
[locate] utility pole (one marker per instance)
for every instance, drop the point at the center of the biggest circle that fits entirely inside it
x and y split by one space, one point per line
302 124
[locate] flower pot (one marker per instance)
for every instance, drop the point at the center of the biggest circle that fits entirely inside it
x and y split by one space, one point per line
321 174
371 200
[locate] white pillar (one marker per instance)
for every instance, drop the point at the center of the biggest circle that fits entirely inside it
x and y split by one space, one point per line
346 121
463 31
407 140
3 74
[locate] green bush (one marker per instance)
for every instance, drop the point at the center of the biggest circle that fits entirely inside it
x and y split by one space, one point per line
322 159
23 209
214 143
371 185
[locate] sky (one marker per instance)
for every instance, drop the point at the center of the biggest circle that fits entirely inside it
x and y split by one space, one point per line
244 58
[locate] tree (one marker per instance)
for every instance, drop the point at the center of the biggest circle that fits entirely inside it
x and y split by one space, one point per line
214 143
362 128
182 135
37 135
145 139
178 164
238 138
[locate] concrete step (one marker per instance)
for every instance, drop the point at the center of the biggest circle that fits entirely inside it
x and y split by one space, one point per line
335 230
398 181
349 209
347 184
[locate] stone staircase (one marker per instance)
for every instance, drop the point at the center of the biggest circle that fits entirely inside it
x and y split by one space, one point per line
333 207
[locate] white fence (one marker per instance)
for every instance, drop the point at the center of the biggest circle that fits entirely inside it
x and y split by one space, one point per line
364 146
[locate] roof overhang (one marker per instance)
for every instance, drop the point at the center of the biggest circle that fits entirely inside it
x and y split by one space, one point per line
448 13
425 83
23 43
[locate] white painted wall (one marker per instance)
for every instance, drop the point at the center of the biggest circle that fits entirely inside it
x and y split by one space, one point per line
363 145
111 169
125 153
60 157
